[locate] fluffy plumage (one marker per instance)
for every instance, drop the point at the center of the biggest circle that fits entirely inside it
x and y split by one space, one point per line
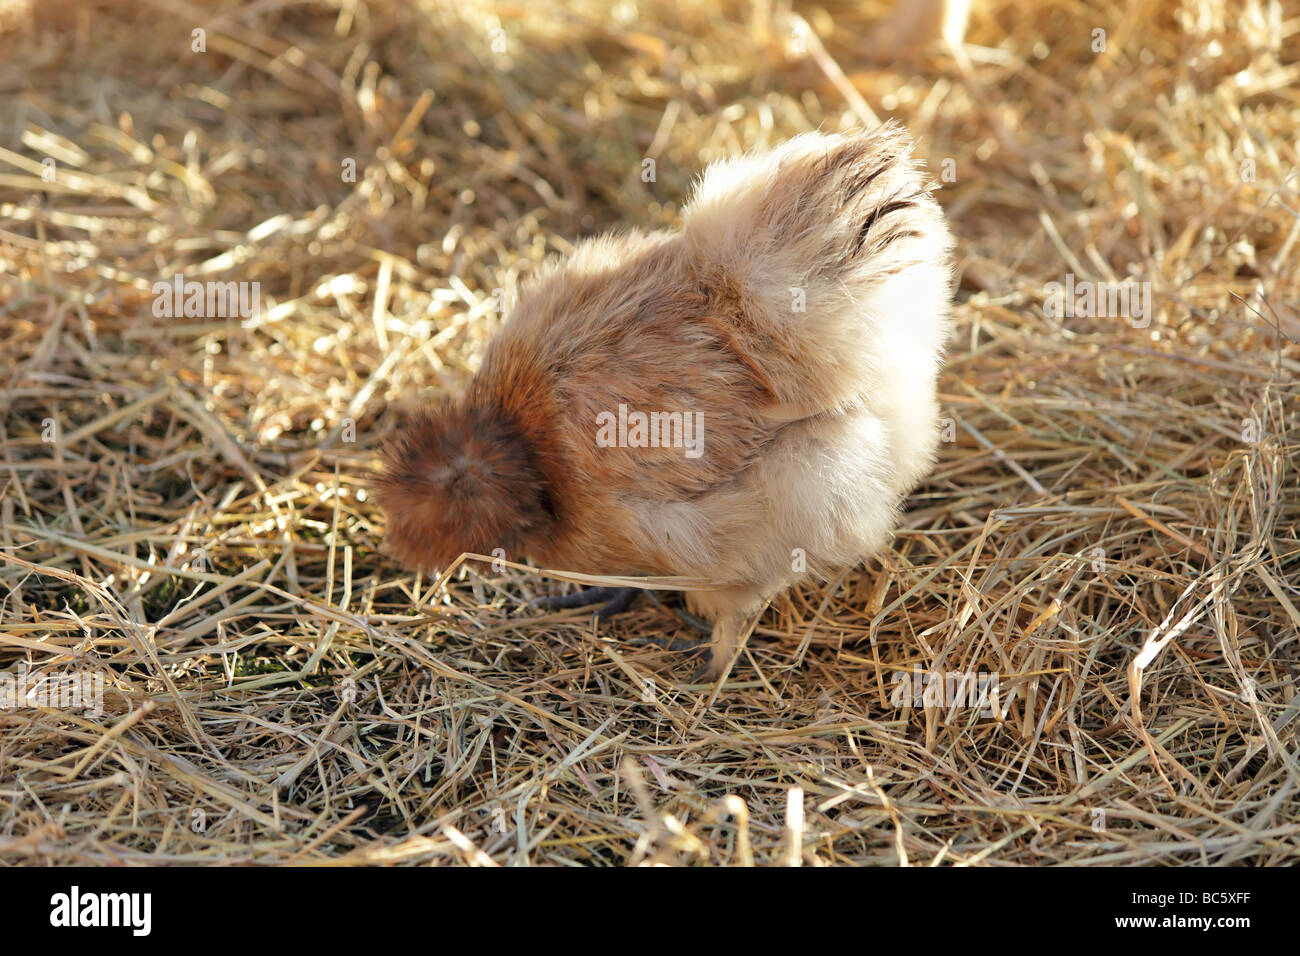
800 313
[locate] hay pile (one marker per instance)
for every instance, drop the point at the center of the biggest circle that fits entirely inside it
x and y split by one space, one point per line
183 507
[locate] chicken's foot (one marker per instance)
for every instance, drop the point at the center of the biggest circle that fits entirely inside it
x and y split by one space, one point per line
612 600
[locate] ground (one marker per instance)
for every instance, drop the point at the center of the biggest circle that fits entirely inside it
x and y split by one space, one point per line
1111 530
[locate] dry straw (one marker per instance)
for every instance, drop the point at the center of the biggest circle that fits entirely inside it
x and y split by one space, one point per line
1111 529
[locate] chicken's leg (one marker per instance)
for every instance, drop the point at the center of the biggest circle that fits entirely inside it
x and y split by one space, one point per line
729 634
734 612
693 621
615 600
726 638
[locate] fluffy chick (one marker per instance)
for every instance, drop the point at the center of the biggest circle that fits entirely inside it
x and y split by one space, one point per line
800 314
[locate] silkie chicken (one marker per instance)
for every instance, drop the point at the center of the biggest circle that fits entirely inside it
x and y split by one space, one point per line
744 401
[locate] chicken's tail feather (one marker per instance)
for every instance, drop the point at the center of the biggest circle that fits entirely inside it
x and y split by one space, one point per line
832 252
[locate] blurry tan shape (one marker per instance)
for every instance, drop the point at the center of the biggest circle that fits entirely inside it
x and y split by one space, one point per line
915 25
14 13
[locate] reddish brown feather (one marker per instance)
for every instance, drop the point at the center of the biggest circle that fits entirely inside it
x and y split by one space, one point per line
460 478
